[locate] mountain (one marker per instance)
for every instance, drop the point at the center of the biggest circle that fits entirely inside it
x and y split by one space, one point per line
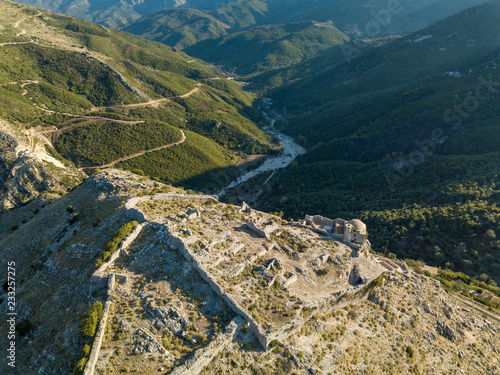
125 274
264 48
112 267
368 19
178 28
184 27
117 13
250 38
75 93
359 18
406 137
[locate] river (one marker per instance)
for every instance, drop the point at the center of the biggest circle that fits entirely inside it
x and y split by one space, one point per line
290 151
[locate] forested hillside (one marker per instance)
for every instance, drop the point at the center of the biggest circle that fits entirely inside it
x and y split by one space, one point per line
117 13
406 137
265 48
263 42
98 96
178 28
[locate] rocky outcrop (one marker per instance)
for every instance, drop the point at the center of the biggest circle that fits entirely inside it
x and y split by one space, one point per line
27 170
446 331
204 356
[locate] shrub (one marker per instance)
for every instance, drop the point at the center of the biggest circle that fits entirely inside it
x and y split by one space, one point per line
24 327
80 366
323 272
74 218
409 351
274 343
113 243
490 235
202 337
91 319
139 172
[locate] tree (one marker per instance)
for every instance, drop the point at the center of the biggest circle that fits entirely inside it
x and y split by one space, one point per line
490 235
409 351
267 189
283 200
91 319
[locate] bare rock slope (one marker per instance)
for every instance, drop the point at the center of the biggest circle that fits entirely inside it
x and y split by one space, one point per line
27 169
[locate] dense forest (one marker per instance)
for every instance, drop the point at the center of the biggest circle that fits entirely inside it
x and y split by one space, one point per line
404 136
96 144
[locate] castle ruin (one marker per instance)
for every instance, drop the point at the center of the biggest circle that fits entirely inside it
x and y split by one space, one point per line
352 232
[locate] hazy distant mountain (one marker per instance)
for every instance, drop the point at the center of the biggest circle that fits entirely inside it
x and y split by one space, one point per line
255 36
368 18
113 13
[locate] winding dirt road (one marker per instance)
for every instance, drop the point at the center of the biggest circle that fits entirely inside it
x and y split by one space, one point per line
149 103
12 43
474 305
32 134
139 153
16 26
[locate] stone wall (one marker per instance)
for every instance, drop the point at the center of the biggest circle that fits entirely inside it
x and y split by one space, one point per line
320 219
265 231
96 346
99 278
136 214
133 212
345 298
353 295
253 227
254 327
202 357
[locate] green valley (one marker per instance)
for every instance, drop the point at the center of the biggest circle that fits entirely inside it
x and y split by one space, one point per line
101 95
406 137
264 48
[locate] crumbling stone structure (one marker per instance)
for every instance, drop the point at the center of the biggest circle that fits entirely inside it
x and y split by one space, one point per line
352 232
262 228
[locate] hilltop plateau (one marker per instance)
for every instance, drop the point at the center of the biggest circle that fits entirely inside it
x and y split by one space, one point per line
155 280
